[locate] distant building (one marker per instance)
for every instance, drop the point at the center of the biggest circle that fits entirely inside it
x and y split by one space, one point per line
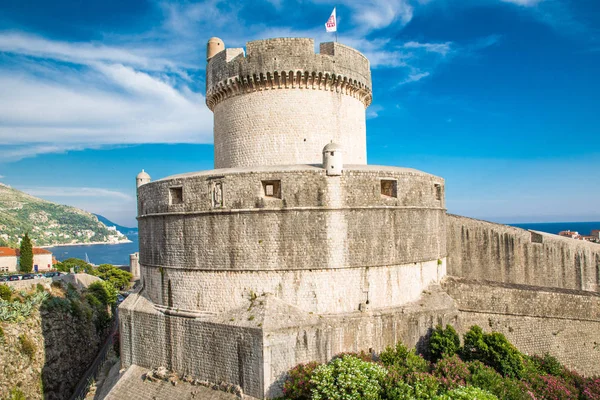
9 259
570 234
596 234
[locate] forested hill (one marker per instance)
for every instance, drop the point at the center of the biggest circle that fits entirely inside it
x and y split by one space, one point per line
48 223
123 229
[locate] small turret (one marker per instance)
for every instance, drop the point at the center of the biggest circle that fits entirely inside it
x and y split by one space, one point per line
333 161
214 46
141 179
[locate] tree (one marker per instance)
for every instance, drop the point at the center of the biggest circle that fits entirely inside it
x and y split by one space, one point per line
77 264
117 277
26 250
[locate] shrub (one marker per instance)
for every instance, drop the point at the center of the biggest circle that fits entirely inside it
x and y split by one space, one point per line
416 385
443 342
27 346
548 364
489 379
104 291
1 334
591 389
347 378
40 288
403 360
493 349
102 320
297 385
5 292
425 386
93 300
57 304
452 372
467 393
550 387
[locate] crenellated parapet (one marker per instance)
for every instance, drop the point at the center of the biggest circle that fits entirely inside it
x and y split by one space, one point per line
288 63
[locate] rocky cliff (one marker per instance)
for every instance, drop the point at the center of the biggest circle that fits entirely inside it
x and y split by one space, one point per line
44 354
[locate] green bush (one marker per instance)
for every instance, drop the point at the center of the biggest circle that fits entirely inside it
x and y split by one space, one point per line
57 304
93 300
414 385
1 334
5 292
443 342
489 379
405 361
40 288
493 349
297 385
105 292
550 387
452 372
27 346
102 320
348 378
467 393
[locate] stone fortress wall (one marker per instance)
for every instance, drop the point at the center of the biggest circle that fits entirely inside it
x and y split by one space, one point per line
494 252
280 103
275 259
539 289
324 244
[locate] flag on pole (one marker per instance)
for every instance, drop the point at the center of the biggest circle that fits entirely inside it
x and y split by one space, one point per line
331 24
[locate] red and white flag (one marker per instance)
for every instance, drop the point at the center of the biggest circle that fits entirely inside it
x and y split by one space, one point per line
331 24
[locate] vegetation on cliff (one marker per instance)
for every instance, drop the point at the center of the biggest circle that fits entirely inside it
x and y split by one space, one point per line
118 278
48 223
486 367
48 337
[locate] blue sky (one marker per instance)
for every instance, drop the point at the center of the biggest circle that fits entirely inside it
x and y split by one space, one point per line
499 97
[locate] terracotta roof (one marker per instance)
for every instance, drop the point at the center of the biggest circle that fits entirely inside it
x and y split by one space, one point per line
8 252
37 250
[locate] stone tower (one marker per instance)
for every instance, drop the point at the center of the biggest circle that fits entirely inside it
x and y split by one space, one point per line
285 252
280 103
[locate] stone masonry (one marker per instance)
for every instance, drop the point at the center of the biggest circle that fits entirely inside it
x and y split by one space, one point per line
293 249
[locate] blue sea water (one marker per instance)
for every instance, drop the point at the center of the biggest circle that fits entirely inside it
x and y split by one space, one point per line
116 254
584 228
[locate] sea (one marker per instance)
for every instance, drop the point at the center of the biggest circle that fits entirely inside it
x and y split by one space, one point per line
115 254
118 254
583 228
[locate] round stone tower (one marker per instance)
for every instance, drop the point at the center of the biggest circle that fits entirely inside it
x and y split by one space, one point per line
280 103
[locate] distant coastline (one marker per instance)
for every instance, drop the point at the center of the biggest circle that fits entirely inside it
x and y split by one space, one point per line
84 244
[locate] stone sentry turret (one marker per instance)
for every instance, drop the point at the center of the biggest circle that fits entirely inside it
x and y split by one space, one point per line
245 268
280 103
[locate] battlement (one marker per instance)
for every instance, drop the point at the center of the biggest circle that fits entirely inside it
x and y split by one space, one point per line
287 63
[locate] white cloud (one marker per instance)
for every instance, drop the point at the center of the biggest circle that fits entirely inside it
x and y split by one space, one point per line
77 192
108 96
440 48
525 3
414 77
77 52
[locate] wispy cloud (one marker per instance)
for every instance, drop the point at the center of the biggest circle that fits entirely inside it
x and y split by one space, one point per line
76 192
108 97
440 48
525 3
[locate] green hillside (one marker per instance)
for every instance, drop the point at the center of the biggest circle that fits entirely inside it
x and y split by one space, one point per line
48 223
